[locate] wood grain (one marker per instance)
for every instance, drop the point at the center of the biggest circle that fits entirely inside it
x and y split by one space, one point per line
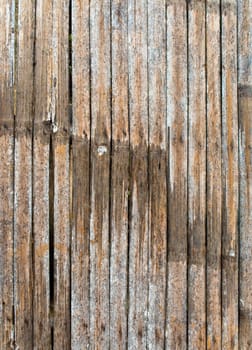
213 175
139 230
157 169
100 177
196 176
80 311
23 270
6 173
245 167
119 178
41 176
229 176
176 323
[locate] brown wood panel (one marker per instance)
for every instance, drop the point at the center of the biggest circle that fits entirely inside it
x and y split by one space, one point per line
229 176
176 323
23 269
213 139
196 176
119 178
100 167
6 173
139 230
80 311
157 169
245 168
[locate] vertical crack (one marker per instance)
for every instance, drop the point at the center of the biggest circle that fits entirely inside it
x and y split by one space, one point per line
51 237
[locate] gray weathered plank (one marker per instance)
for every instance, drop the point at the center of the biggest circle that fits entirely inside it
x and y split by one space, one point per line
245 166
23 270
6 172
213 175
229 176
157 252
196 176
100 164
176 323
119 177
139 230
80 311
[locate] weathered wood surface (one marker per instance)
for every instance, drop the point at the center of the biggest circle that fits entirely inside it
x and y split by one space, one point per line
6 172
213 205
196 176
176 322
125 177
245 166
23 234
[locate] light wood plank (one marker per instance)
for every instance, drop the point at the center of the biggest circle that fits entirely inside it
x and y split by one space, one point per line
213 175
80 311
245 166
196 176
229 176
6 172
157 258
176 324
23 270
100 163
139 231
119 178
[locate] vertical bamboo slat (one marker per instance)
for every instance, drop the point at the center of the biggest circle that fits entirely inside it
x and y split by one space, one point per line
245 167
176 323
23 269
119 178
157 251
229 176
196 176
100 173
6 172
80 311
213 139
139 230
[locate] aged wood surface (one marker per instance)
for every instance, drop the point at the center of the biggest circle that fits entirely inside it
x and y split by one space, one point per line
23 264
229 176
176 322
245 166
119 192
196 176
100 171
213 205
138 226
80 312
6 172
125 175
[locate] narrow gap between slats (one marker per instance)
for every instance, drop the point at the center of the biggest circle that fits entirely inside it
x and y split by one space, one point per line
206 161
51 239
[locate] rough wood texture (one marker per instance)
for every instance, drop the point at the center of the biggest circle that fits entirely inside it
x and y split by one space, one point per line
157 174
41 173
80 311
245 166
6 173
176 323
229 177
119 178
23 269
100 164
196 176
59 118
213 256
